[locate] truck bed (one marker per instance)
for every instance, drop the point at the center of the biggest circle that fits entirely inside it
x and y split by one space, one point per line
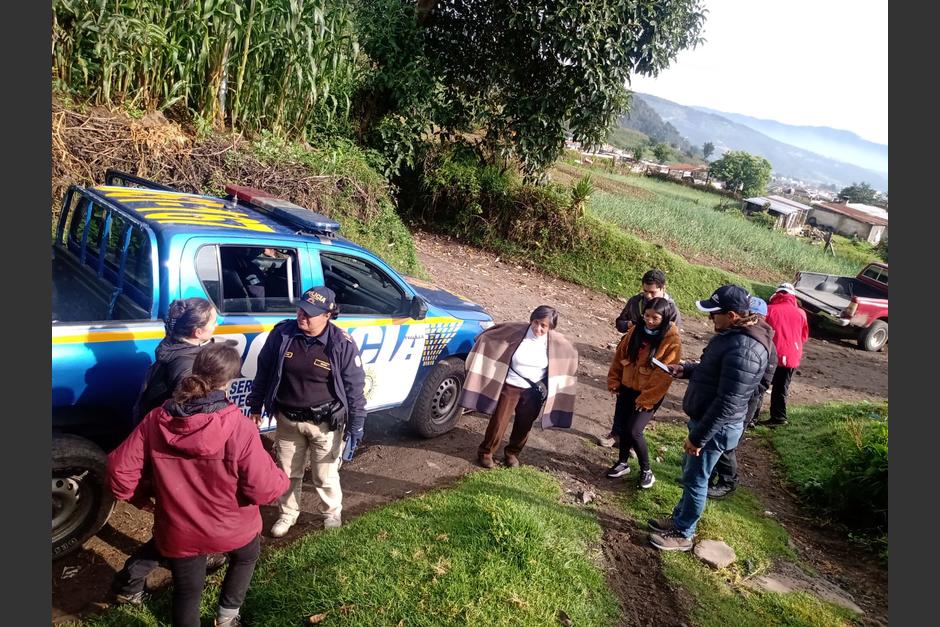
831 293
79 296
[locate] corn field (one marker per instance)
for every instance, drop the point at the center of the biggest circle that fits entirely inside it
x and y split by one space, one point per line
286 65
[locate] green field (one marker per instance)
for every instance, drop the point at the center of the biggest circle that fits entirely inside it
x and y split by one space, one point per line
496 549
612 261
686 221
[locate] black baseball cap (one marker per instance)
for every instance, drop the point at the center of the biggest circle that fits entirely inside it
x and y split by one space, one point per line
317 300
726 298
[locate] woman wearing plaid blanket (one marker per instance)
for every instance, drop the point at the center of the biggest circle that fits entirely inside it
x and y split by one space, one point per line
525 370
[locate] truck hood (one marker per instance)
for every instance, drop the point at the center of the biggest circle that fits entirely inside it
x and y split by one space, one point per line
456 305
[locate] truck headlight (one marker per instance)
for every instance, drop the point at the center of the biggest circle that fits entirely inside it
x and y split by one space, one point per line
486 324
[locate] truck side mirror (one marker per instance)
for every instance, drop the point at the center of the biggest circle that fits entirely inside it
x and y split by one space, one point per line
419 308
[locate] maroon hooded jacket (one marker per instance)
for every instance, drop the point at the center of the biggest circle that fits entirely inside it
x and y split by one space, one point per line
208 471
790 328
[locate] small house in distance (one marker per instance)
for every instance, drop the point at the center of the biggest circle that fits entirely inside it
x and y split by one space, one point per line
848 220
790 215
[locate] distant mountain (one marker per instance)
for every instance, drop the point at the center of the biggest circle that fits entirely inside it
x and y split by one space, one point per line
829 142
787 160
644 119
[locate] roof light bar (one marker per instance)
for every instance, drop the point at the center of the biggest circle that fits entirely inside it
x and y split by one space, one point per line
284 211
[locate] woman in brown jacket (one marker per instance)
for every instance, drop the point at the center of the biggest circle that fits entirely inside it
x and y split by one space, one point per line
641 386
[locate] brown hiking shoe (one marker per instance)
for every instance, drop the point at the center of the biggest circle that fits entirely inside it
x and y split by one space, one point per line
486 460
661 525
671 541
512 461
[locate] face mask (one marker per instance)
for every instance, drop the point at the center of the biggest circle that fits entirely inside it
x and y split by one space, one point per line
649 331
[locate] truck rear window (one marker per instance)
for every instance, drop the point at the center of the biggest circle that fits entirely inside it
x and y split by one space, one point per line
876 274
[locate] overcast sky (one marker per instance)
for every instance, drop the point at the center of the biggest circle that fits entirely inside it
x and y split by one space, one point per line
806 62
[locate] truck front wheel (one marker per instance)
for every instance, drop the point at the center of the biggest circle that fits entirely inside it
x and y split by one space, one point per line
875 336
436 410
81 500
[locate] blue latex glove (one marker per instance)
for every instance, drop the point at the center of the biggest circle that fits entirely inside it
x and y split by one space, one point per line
350 444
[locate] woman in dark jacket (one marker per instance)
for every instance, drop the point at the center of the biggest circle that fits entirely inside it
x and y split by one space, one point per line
209 474
189 325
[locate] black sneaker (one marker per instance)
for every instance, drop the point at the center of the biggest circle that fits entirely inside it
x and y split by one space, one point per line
138 598
671 541
774 423
720 490
662 525
618 470
647 479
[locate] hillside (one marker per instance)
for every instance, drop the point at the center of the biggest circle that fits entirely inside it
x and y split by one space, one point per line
829 142
644 119
699 127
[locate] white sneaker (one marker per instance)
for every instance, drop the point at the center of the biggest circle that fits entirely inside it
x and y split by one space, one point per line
281 527
333 522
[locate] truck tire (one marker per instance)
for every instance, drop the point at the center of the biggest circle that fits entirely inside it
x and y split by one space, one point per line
875 336
81 500
436 410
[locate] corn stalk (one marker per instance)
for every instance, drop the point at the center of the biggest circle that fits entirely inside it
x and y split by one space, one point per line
295 63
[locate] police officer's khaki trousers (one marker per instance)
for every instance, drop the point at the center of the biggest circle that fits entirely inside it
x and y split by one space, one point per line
293 441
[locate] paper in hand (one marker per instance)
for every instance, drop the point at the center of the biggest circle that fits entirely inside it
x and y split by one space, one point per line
660 364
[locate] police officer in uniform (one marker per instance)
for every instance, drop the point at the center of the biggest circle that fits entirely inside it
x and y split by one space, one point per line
310 378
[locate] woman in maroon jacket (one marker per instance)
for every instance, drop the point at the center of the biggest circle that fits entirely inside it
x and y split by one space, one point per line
209 473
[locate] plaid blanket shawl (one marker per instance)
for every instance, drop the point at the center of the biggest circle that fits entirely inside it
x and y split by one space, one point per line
488 365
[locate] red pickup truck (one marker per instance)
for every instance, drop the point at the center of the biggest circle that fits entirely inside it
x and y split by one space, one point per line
858 303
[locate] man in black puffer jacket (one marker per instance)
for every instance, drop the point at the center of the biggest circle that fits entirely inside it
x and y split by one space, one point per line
716 401
724 477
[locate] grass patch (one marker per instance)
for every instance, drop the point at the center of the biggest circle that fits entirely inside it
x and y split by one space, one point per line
496 549
758 541
686 220
612 261
836 456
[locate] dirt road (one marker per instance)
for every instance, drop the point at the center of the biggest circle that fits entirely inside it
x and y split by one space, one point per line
394 463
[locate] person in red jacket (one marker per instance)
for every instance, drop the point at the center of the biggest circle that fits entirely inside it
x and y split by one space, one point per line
208 473
791 331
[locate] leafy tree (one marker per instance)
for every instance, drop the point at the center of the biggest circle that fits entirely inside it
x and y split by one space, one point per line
858 192
707 149
514 74
639 151
742 170
662 152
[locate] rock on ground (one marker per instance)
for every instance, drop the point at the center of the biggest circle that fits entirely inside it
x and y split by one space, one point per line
715 553
787 578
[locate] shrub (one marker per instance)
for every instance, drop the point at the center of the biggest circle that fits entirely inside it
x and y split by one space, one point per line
837 457
858 490
460 191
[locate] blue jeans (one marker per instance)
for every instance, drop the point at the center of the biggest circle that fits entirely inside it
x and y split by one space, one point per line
695 474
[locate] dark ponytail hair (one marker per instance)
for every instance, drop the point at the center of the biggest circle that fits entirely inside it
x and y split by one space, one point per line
664 307
544 311
184 316
215 366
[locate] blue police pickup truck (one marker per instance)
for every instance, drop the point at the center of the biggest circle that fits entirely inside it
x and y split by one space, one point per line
124 250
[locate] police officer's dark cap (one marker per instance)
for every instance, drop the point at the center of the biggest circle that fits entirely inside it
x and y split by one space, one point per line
726 298
317 300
